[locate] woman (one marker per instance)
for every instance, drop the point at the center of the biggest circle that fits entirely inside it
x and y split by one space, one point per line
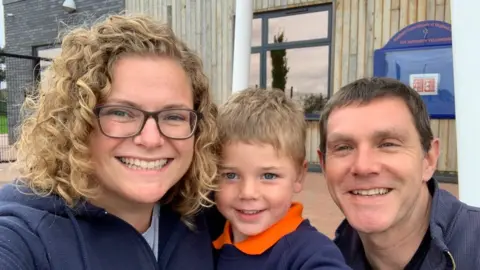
117 156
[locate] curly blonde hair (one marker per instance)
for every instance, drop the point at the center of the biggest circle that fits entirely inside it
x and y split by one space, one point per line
52 151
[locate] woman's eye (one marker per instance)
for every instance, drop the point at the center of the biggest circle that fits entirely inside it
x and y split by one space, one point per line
119 113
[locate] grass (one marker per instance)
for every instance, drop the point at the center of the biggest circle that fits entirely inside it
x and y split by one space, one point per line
3 124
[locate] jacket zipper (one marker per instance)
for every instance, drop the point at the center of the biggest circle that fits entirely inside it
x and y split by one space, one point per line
454 265
142 239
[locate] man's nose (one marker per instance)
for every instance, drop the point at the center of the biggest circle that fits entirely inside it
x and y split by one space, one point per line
365 162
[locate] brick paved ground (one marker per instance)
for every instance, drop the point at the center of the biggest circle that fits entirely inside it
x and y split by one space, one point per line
7 174
319 207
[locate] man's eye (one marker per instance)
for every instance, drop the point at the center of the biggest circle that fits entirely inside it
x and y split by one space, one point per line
343 148
388 144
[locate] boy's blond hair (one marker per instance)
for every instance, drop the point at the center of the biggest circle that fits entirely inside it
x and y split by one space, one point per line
264 116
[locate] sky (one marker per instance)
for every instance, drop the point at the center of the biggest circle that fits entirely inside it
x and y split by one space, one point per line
2 25
308 66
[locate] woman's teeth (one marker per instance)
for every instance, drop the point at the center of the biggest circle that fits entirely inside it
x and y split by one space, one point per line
135 163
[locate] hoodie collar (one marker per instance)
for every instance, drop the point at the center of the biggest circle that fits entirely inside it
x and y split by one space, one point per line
16 192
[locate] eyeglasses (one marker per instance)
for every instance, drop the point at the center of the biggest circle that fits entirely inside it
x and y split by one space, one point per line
123 122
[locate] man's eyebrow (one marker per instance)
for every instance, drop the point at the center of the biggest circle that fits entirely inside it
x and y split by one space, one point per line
378 134
390 133
336 136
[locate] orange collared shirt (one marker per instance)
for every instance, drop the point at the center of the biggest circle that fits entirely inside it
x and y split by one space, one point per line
257 244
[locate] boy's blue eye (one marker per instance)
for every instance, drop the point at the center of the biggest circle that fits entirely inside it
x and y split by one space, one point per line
230 175
269 176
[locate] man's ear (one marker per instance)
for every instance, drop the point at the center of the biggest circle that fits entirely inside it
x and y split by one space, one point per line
321 158
431 159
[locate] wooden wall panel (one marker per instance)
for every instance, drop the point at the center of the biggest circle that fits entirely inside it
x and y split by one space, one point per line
362 26
206 26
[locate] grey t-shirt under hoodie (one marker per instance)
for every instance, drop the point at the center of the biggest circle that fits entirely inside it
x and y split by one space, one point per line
151 234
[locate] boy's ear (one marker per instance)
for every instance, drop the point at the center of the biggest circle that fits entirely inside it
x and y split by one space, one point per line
298 185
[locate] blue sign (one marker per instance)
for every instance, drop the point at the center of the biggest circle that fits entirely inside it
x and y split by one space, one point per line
420 55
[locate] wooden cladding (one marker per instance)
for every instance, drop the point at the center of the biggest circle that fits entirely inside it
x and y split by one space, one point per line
359 28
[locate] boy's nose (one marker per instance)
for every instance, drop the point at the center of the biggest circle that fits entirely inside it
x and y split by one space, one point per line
249 190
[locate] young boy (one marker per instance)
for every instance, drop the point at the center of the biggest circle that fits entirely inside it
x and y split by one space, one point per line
263 165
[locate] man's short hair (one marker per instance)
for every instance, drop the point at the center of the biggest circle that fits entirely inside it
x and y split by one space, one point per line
364 91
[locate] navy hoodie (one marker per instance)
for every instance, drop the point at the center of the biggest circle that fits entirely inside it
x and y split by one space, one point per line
40 233
290 244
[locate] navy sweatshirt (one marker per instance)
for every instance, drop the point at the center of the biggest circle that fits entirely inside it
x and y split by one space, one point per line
292 243
42 233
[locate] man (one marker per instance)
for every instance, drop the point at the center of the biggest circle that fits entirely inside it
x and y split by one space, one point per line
379 155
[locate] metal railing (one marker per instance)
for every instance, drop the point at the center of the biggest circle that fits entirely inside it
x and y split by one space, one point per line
19 74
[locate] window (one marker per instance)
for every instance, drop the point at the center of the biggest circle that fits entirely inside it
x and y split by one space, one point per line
291 50
254 79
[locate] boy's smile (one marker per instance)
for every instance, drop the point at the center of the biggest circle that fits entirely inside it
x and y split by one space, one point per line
257 184
248 215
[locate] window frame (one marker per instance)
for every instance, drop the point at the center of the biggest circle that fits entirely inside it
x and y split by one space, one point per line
264 46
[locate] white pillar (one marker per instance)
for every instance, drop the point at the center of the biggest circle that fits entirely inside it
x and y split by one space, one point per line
242 47
466 58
